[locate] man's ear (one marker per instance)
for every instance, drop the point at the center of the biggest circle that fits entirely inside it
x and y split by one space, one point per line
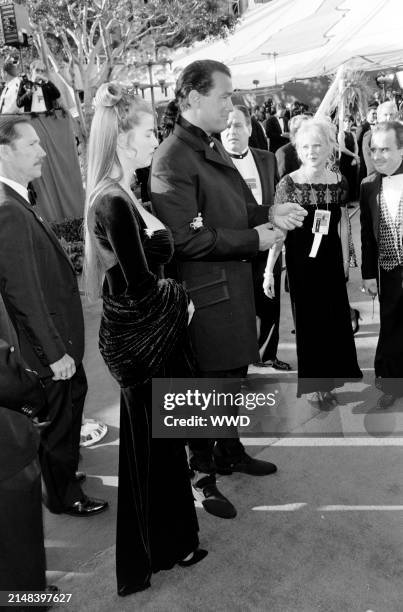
194 98
250 130
4 151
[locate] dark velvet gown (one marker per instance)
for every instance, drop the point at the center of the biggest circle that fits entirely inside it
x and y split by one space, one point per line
143 334
325 344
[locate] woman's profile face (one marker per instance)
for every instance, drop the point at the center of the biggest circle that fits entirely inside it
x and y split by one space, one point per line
142 140
313 150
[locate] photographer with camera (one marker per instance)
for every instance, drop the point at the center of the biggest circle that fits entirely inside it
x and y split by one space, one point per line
8 96
37 95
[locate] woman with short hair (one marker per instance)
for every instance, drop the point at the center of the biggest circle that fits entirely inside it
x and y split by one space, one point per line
317 258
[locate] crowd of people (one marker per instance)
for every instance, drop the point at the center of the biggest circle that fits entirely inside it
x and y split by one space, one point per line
190 286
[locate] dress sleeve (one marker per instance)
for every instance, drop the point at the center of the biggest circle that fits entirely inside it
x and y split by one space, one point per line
117 222
285 191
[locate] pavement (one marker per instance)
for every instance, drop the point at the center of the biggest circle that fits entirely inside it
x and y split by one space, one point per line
324 534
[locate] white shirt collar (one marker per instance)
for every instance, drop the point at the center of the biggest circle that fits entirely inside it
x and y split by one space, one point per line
20 189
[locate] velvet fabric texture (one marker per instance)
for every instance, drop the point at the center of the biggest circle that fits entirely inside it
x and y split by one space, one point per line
137 334
143 334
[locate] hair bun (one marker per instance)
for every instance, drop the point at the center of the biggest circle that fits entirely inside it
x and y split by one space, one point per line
109 94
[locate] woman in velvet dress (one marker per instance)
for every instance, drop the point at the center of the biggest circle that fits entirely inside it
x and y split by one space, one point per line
325 345
143 334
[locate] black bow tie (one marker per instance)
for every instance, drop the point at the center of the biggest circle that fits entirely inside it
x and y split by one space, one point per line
239 155
31 195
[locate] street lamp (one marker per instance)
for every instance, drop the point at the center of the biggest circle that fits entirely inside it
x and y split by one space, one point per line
140 65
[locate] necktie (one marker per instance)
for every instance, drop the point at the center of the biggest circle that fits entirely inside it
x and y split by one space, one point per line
31 195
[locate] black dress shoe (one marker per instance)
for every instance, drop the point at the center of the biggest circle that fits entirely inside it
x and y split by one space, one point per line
280 365
212 500
86 507
80 476
386 400
245 464
198 555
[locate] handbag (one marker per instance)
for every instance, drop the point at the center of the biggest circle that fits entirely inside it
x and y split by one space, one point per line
20 388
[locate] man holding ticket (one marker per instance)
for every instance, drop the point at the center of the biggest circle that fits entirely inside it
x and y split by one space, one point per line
317 262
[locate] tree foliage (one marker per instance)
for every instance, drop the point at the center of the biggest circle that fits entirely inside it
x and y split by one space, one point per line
95 35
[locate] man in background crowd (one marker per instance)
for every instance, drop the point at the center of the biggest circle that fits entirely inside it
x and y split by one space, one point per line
8 97
259 171
37 95
277 128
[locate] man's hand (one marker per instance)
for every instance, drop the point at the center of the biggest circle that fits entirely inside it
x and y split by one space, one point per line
63 369
191 311
287 216
268 237
370 286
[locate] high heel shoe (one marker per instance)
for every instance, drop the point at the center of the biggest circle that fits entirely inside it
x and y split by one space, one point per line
355 318
198 555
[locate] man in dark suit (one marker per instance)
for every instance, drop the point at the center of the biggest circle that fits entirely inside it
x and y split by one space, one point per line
40 292
37 95
193 177
257 138
286 156
381 202
277 128
22 551
259 171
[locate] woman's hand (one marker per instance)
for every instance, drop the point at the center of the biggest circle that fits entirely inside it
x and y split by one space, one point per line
268 285
191 311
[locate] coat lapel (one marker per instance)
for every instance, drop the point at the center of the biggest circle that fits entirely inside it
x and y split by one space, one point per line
374 202
10 193
216 154
263 175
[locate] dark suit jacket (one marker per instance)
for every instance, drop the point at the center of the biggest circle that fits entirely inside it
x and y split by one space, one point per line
275 134
369 208
257 138
49 91
188 177
19 440
38 286
287 159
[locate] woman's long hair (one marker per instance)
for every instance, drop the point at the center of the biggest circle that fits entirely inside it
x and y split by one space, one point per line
116 111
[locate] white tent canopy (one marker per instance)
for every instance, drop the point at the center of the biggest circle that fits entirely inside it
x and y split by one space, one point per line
295 39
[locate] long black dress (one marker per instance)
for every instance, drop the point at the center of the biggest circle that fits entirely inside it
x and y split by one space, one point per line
325 344
143 335
347 169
